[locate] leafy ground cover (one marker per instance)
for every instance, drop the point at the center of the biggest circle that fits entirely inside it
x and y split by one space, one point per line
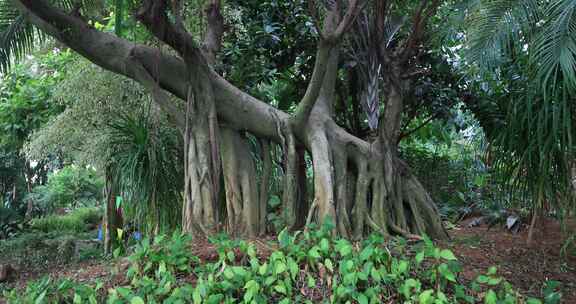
313 267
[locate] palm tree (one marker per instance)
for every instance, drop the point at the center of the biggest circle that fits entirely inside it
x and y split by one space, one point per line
526 50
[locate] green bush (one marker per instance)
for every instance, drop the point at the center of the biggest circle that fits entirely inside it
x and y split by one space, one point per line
79 220
70 187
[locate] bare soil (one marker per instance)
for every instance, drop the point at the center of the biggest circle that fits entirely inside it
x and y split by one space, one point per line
526 267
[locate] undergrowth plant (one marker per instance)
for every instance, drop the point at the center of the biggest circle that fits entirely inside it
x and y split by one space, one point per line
304 267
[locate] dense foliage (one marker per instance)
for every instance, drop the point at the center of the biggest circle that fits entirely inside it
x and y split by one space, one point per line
70 187
298 268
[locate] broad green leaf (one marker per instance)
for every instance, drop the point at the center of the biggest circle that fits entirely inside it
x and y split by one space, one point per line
490 297
136 300
426 297
447 255
362 299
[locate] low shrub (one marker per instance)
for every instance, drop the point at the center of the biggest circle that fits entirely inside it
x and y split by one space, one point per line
79 220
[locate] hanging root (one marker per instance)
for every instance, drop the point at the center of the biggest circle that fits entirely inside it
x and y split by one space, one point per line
311 213
361 201
290 194
403 232
375 226
266 171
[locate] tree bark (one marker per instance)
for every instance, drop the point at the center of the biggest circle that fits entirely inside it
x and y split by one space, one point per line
112 219
242 201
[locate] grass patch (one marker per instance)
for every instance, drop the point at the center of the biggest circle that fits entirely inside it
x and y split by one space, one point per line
76 221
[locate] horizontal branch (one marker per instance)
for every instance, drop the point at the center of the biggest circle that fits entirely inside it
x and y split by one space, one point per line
235 108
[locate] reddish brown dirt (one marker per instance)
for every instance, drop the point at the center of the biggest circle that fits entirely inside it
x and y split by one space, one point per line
525 267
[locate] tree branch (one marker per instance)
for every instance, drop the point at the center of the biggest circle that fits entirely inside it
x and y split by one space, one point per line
333 31
427 121
235 108
424 12
153 15
215 32
159 96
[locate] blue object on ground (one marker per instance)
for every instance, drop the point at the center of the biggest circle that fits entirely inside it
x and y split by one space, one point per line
100 233
137 235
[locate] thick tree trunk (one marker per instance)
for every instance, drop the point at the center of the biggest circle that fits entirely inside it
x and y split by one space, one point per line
201 161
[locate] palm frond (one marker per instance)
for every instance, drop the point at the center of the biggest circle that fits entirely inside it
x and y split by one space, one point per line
18 37
554 51
496 28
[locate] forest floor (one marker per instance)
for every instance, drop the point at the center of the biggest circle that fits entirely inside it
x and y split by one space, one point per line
477 248
525 267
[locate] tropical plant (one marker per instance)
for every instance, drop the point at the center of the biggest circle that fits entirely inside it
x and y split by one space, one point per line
523 54
145 159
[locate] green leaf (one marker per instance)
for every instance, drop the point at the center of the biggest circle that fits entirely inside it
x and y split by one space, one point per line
362 299
280 289
366 253
447 255
492 270
446 273
40 298
280 268
490 297
482 279
262 269
136 300
311 281
343 247
419 257
228 273
284 238
324 245
403 266
196 297
426 297
313 252
328 264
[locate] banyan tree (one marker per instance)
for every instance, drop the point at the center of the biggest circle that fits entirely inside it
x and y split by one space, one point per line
360 183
